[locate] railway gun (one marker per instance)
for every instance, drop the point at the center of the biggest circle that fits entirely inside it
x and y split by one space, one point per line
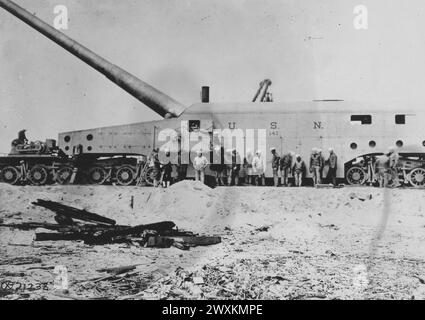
119 154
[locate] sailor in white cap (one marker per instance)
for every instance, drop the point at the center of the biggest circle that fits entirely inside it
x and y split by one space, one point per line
258 167
200 163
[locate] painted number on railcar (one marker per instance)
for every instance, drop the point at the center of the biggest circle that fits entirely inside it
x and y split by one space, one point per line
274 129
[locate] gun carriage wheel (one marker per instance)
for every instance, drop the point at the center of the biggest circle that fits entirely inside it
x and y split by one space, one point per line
10 175
417 177
98 175
356 176
64 175
125 175
38 175
149 176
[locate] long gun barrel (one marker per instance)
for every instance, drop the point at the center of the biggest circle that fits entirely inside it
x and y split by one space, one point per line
153 98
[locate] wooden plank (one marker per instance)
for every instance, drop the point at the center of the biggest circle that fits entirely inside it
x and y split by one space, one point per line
98 235
118 270
73 213
159 242
107 236
31 226
60 236
195 240
20 261
180 245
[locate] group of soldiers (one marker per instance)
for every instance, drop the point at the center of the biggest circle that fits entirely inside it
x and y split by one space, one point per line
252 168
291 163
162 170
387 168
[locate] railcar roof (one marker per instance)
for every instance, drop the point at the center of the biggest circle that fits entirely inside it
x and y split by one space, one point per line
304 107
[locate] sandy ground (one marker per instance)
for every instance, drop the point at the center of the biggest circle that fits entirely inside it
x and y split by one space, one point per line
277 243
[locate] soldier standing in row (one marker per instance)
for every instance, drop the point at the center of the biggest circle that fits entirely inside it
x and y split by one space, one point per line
234 168
298 169
322 163
218 165
199 164
258 168
167 169
156 165
275 166
332 162
248 167
285 167
315 165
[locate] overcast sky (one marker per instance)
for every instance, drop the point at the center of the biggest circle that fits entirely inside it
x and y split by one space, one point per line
309 48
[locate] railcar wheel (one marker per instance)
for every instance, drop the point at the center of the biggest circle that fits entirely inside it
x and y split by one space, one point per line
125 175
356 176
38 175
10 175
417 177
149 176
64 175
97 175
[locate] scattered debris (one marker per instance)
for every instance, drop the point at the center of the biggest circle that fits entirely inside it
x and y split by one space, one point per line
330 226
265 268
73 213
180 245
329 252
321 186
12 274
99 230
198 280
362 197
330 185
421 280
20 261
118 270
42 268
296 251
277 278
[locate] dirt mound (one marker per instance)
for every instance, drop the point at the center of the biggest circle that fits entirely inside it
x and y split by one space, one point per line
188 203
